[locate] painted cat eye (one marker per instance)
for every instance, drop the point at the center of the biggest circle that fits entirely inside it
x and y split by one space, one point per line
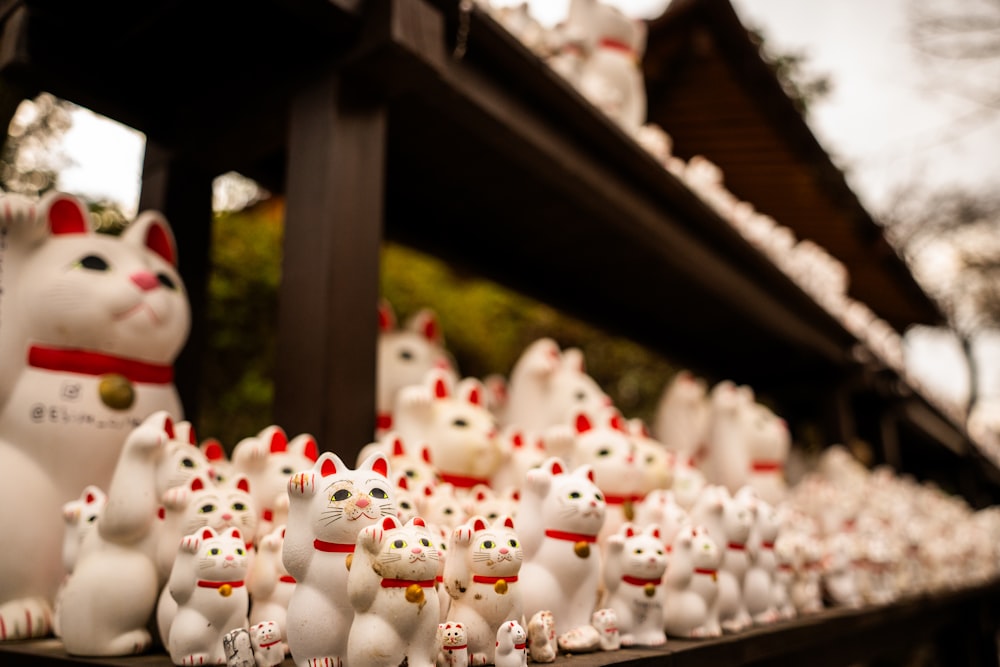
378 493
205 509
239 507
424 541
574 494
487 544
342 494
512 543
187 462
93 263
460 422
214 551
398 544
166 281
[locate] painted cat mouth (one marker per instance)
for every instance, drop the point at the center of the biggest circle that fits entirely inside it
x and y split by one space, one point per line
142 305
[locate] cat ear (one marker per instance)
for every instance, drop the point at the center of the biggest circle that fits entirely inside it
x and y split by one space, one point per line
471 391
425 454
65 214
401 483
585 471
377 463
478 524
417 521
439 383
278 440
508 522
235 533
151 230
390 523
307 444
207 533
329 463
616 422
424 322
554 466
243 484
629 531
197 483
386 316
582 423
397 447
572 358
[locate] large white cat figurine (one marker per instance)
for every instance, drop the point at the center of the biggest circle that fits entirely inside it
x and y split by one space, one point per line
391 587
329 505
481 575
90 325
208 584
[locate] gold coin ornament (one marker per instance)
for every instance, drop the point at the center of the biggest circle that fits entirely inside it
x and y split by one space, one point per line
628 508
347 561
415 594
500 586
116 391
225 590
582 549
649 590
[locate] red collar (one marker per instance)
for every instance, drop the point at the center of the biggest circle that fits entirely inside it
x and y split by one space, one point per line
616 45
287 578
406 583
383 421
463 481
270 644
333 547
86 362
705 570
736 546
204 583
767 545
479 579
570 537
767 466
455 648
636 581
621 500
520 647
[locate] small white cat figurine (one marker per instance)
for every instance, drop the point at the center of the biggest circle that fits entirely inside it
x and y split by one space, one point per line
454 646
559 519
481 575
542 645
268 649
90 325
329 505
207 582
511 645
634 563
269 584
391 587
692 584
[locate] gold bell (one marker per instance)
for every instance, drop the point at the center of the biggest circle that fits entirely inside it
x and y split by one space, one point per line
500 586
415 594
649 590
582 549
225 590
116 391
628 509
348 561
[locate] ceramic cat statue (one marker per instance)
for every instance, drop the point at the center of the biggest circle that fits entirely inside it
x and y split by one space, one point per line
656 463
81 518
634 563
90 325
547 385
454 647
207 582
481 576
269 584
542 645
97 615
268 649
268 460
758 582
329 505
692 585
681 418
726 459
561 514
511 645
391 587
662 510
403 356
453 421
768 443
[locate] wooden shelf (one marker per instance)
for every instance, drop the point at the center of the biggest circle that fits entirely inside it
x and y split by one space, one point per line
832 637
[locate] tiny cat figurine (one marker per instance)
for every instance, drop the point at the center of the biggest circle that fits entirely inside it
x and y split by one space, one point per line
560 517
207 582
81 518
329 505
547 385
391 588
605 622
268 460
188 508
511 645
758 583
634 563
692 584
456 425
453 640
90 325
481 575
768 443
268 649
269 584
98 616
403 356
542 645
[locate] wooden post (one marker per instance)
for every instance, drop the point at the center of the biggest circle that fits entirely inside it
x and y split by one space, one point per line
325 381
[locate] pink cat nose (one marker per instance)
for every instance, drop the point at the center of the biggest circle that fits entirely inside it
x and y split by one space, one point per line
229 557
503 550
145 280
227 517
416 550
362 502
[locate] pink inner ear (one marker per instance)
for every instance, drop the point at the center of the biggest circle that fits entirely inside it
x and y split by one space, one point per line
213 451
206 534
425 454
478 525
629 532
279 441
517 440
656 533
328 468
590 475
582 424
616 423
474 397
556 468
431 332
90 497
403 484
192 438
385 318
66 217
236 534
159 242
243 485
440 389
389 523
381 466
417 521
168 427
509 523
397 447
197 484
311 450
